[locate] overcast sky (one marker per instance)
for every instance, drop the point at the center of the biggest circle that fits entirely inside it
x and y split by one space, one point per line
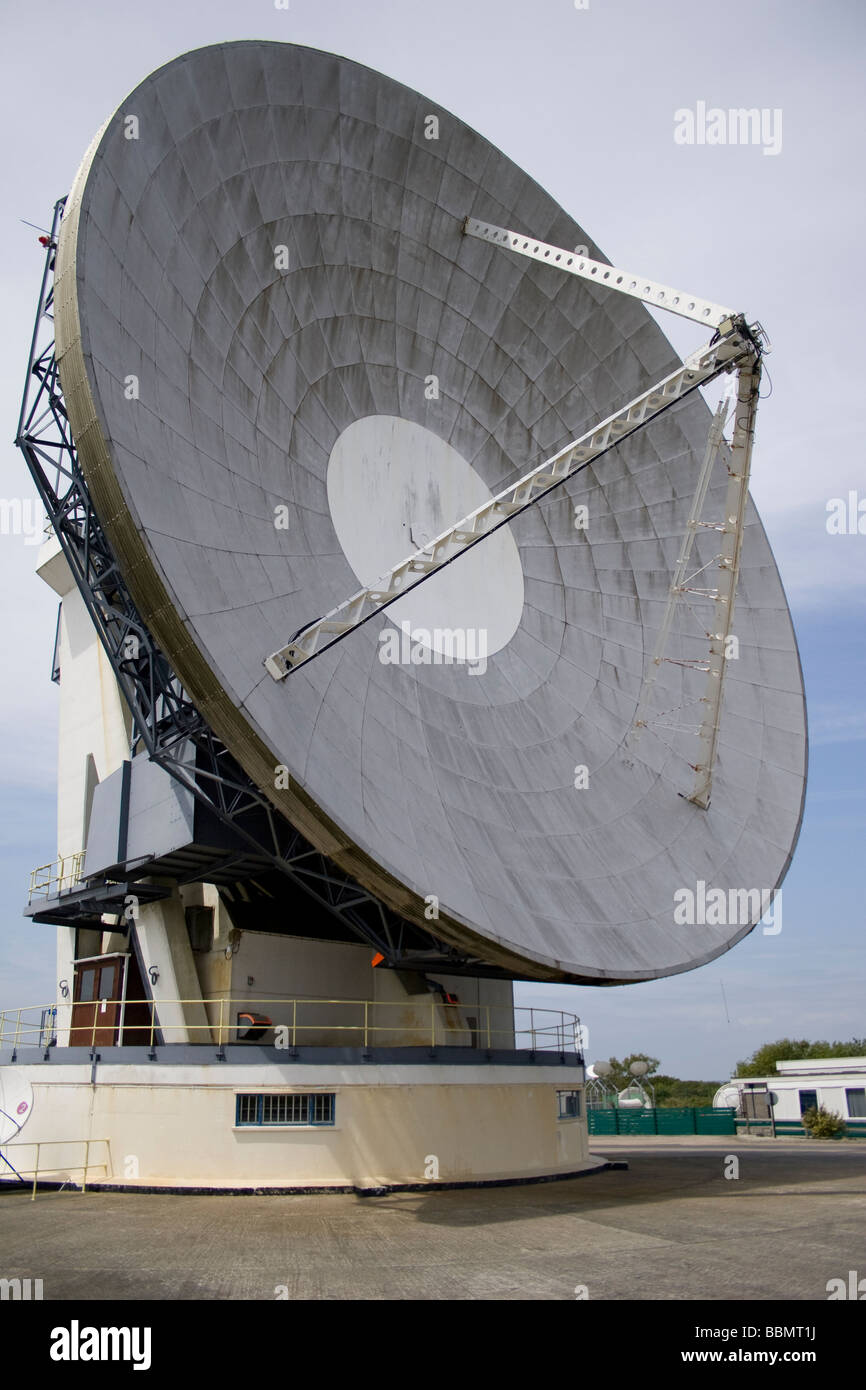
586 100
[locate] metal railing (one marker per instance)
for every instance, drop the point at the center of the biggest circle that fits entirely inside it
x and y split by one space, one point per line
295 1022
61 876
68 1168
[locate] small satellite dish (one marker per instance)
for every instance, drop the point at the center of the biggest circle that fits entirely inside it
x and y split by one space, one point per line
633 1098
639 1068
16 1104
602 1068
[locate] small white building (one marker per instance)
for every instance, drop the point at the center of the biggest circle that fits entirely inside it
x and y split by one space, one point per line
837 1083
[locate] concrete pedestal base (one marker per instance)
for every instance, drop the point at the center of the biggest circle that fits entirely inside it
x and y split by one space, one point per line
362 1126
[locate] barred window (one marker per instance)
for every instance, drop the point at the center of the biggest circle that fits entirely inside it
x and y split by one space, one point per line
569 1104
247 1109
316 1108
322 1110
284 1110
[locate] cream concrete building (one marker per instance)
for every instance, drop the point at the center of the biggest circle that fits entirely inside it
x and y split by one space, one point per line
217 1056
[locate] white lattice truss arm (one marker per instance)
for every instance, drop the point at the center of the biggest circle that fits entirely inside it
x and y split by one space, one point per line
688 306
734 346
727 351
714 664
731 528
731 531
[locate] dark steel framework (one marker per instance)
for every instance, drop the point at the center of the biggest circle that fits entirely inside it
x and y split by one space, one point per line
166 724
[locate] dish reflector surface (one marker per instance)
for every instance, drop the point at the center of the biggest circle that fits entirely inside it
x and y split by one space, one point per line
272 270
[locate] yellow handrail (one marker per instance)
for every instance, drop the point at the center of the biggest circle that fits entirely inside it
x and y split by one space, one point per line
38 1144
60 876
513 1028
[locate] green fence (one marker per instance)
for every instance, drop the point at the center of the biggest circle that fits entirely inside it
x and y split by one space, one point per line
687 1119
696 1120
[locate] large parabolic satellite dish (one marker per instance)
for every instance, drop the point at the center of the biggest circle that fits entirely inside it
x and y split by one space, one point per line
266 307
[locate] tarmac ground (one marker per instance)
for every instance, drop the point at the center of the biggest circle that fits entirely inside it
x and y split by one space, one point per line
671 1227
